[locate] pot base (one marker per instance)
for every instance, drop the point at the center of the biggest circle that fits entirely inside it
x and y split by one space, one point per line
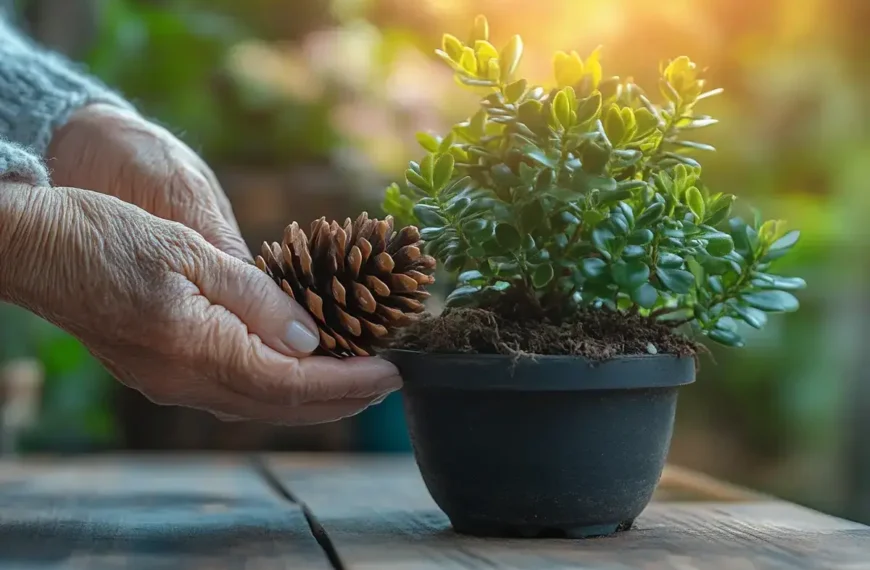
486 529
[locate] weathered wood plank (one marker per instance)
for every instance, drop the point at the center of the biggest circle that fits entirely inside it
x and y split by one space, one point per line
168 512
379 515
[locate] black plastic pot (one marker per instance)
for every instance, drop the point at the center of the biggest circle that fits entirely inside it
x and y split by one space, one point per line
540 447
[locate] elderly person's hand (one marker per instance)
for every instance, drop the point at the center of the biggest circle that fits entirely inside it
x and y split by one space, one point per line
168 313
116 151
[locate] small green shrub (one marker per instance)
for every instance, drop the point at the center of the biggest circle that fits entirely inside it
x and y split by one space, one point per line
587 195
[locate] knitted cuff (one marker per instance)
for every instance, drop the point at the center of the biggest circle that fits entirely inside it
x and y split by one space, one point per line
39 90
16 163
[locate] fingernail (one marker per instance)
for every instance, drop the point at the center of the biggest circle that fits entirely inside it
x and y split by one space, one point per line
300 338
379 399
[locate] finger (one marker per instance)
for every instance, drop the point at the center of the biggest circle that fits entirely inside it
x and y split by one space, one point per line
223 202
196 206
232 408
267 376
259 303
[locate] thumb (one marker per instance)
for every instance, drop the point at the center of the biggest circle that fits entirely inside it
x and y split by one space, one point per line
280 322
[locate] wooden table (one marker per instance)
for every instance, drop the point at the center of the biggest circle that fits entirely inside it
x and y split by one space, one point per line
362 512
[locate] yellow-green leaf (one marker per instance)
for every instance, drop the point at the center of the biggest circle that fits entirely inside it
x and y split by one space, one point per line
480 29
567 68
696 203
452 46
485 51
442 171
510 57
493 71
515 90
562 109
646 122
771 230
614 127
468 61
629 121
454 65
427 141
593 67
427 167
589 108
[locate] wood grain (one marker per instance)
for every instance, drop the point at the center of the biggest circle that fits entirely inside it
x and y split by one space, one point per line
169 512
379 516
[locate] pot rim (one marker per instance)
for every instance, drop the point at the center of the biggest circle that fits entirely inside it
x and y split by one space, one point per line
536 373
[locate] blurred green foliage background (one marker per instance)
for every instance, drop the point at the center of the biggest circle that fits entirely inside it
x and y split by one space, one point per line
310 107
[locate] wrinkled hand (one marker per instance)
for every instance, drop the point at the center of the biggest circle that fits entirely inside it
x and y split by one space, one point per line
117 152
172 316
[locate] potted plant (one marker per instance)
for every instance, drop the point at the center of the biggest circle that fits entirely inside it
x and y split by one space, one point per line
589 254
542 399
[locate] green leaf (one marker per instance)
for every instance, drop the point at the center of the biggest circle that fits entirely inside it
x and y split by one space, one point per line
532 216
646 122
540 156
720 210
751 316
652 214
614 126
429 234
510 57
442 171
507 236
696 203
640 237
668 260
427 141
592 218
414 179
542 276
562 109
601 237
727 338
633 251
515 90
429 215
468 276
646 296
457 205
611 196
694 145
595 158
772 301
529 113
462 296
631 185
543 181
766 281
786 242
715 284
504 176
630 275
719 244
454 262
676 280
427 168
478 227
589 108
593 267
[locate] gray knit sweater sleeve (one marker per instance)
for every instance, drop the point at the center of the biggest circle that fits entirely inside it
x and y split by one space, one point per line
39 90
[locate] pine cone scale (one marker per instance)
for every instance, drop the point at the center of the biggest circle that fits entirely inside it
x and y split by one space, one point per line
360 281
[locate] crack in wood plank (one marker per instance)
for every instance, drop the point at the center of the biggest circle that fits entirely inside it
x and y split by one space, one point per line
318 532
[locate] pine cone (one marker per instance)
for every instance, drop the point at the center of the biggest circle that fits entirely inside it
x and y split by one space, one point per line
360 283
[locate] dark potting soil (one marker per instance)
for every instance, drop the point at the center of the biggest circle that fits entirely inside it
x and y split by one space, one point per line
593 334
